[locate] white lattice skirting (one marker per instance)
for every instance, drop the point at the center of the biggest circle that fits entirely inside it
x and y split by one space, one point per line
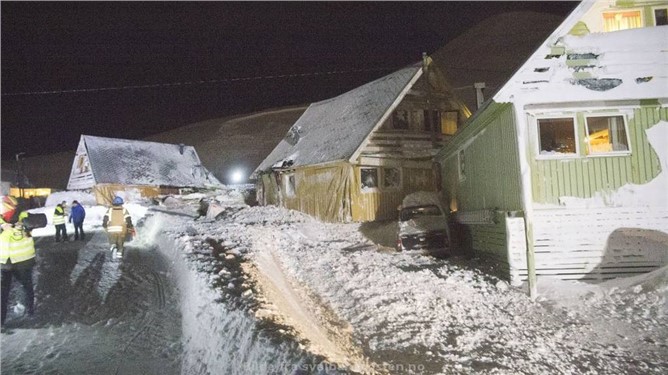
590 243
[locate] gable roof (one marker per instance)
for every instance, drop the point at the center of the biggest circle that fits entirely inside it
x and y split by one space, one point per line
333 129
131 162
618 65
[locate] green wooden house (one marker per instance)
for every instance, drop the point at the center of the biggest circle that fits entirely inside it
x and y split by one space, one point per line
564 171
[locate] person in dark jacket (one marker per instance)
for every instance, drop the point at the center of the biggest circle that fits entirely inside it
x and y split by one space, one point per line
59 218
77 217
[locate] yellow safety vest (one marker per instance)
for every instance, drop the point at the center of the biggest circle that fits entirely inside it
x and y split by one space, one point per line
16 245
59 216
117 223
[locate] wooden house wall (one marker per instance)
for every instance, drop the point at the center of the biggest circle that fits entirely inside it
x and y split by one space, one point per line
585 176
379 204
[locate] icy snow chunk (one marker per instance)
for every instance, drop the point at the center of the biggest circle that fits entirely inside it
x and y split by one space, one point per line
502 286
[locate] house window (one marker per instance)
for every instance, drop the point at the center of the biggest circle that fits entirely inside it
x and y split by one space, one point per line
660 16
622 20
606 134
556 136
391 178
368 178
416 121
432 120
460 165
400 119
290 185
449 121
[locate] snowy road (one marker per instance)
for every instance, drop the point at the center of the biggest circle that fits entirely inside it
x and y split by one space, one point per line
95 315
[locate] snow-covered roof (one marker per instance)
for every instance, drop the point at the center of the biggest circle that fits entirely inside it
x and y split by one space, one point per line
620 65
131 162
333 129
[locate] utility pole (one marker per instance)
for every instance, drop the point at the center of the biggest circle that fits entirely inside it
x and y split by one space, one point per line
19 173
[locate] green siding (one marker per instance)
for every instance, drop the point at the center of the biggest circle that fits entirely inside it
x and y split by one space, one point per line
584 176
489 142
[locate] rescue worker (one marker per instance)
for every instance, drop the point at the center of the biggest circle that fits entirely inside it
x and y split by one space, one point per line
77 216
117 222
59 219
17 255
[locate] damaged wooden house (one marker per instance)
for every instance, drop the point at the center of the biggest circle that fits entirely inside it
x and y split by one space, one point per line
354 157
564 171
107 166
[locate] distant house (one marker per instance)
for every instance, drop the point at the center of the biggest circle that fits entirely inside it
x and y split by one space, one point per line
17 184
109 165
354 157
567 164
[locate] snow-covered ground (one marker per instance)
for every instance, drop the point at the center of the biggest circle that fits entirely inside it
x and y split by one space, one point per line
268 290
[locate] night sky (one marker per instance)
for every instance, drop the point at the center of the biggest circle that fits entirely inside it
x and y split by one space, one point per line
76 68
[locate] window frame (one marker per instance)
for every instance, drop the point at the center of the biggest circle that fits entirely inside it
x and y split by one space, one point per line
611 153
290 188
367 190
461 165
536 127
442 113
654 8
382 179
639 10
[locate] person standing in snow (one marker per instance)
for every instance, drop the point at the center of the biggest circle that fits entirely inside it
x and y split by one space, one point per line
117 222
59 222
77 216
17 255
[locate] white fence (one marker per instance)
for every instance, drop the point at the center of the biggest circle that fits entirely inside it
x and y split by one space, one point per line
590 243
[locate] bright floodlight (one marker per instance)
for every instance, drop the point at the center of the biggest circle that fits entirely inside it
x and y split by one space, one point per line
237 176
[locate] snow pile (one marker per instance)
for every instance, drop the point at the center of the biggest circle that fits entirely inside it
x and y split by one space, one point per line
341 297
627 64
86 199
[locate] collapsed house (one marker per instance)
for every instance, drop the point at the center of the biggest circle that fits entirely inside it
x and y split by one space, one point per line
354 157
107 166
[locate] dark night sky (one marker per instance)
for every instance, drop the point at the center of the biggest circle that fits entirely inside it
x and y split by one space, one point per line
63 46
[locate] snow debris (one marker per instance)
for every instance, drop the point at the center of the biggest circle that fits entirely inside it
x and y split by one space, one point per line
335 297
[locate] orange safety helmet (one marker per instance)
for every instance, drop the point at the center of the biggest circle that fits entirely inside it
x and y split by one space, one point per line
9 205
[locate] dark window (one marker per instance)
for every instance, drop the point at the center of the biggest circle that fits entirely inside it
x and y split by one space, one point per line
400 119
556 136
391 178
661 16
432 120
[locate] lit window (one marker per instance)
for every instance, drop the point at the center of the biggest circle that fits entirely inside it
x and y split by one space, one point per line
556 136
449 122
290 185
622 20
606 134
391 178
368 178
660 16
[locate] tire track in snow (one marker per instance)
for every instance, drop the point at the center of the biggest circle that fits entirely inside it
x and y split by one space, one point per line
296 308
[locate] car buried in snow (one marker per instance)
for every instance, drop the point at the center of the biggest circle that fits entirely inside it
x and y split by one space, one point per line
423 225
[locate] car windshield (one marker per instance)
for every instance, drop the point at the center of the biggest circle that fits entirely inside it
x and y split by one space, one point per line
413 212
